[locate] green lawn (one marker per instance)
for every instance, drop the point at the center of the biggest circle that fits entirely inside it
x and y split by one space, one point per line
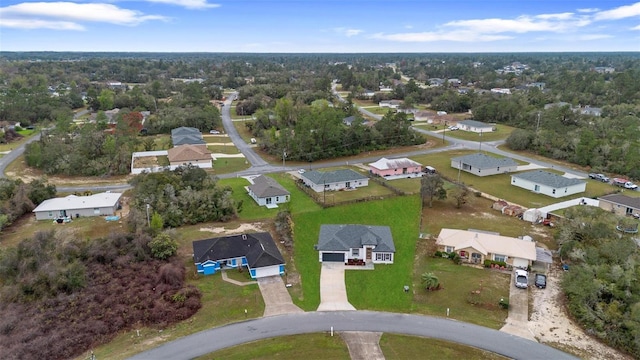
14 144
380 289
500 185
229 165
299 203
502 132
411 347
294 347
224 149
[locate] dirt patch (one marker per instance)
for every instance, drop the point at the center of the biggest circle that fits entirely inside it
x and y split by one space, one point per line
551 325
240 229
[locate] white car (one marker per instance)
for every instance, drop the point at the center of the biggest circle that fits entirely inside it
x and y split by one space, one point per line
522 279
300 171
453 128
214 132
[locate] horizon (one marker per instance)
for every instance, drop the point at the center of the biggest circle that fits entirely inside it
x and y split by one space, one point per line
314 26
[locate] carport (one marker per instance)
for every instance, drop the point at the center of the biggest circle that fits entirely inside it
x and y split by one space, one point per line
332 257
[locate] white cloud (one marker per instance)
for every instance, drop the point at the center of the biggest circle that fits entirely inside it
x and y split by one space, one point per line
588 10
589 37
68 15
559 16
348 32
621 12
522 24
189 4
636 28
461 36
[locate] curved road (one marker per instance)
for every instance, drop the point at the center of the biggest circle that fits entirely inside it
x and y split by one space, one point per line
222 337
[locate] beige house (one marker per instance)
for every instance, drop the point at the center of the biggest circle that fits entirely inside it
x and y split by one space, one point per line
475 247
620 204
197 155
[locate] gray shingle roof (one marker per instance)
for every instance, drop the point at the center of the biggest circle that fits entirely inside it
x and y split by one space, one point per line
186 135
330 177
475 123
264 186
549 179
628 201
345 237
258 248
482 161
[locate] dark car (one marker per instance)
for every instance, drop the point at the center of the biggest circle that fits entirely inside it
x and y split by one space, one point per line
541 281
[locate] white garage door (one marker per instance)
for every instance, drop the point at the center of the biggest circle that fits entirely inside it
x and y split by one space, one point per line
520 263
268 271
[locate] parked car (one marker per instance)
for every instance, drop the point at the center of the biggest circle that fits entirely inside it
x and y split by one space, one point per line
541 281
453 128
624 183
300 171
522 279
214 132
600 177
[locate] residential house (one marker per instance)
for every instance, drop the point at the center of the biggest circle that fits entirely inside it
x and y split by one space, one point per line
454 82
197 155
476 126
102 204
435 82
385 88
341 243
334 180
396 168
591 111
392 104
501 91
474 246
480 164
620 204
367 93
539 85
349 120
547 183
604 69
186 136
256 251
268 192
424 115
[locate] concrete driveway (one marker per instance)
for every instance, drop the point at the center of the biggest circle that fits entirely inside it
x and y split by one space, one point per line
333 292
518 319
277 300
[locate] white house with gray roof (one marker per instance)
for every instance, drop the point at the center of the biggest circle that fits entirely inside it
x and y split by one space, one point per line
550 184
101 204
268 192
476 126
480 164
341 243
340 179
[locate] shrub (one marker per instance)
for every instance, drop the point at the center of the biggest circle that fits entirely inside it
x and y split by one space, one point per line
163 246
171 274
438 254
504 303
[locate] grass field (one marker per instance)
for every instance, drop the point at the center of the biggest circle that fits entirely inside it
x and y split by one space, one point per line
411 347
223 149
366 289
502 132
229 165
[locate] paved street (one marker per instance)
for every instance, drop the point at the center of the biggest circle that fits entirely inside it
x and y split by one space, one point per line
207 341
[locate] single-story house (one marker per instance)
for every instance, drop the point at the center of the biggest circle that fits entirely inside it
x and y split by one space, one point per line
480 164
476 126
333 180
547 183
101 204
186 136
477 246
396 168
268 192
256 251
340 243
367 93
620 204
197 155
424 115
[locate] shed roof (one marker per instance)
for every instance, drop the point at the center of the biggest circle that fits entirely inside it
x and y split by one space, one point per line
349 236
483 161
549 179
71 202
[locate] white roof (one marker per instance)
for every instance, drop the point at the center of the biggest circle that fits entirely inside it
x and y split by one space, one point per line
71 202
386 164
489 243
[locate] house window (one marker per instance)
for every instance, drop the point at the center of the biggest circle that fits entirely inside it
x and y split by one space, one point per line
536 188
383 257
498 168
347 184
50 213
448 249
277 198
553 191
498 257
326 186
268 200
355 252
96 210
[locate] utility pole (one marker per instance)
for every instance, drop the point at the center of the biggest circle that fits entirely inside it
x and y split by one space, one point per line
538 124
284 155
444 130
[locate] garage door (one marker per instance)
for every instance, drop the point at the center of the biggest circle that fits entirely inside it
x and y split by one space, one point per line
337 257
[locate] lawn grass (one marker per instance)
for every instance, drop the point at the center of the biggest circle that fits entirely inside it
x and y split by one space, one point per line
502 132
295 347
409 186
401 347
244 133
223 149
299 202
230 165
500 185
366 289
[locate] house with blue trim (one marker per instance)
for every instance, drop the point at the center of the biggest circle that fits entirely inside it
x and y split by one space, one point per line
256 251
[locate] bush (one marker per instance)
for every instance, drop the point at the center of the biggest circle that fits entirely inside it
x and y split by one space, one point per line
504 303
163 246
438 254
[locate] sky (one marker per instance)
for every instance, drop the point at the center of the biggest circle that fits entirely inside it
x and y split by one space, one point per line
320 26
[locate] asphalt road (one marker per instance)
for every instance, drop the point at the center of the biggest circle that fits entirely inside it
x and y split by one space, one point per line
312 322
254 159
